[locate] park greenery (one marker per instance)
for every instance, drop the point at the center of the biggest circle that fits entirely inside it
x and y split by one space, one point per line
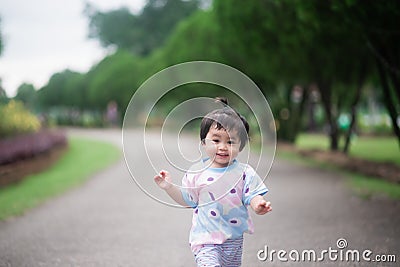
384 147
364 186
17 119
322 65
83 158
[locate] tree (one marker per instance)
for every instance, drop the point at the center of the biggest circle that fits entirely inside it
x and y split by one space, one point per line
116 27
328 45
65 88
270 52
377 22
3 95
196 38
26 93
293 46
115 78
141 33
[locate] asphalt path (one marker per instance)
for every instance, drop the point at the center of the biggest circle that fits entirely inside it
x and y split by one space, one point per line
110 221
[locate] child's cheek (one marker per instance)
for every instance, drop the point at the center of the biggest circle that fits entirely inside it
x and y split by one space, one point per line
211 150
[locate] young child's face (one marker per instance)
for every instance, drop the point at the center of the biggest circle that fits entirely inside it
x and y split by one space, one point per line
221 146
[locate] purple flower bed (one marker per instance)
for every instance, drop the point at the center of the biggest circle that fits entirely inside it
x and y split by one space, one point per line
27 146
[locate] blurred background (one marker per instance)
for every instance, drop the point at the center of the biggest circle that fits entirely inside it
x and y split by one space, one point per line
329 69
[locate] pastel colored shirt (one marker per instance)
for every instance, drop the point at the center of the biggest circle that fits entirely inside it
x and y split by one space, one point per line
219 198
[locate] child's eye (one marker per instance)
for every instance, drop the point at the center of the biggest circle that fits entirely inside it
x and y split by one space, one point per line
215 140
231 142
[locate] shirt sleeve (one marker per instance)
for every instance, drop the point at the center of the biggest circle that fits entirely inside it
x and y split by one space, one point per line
253 186
189 192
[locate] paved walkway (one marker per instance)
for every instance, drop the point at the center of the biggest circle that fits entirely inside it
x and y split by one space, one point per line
109 221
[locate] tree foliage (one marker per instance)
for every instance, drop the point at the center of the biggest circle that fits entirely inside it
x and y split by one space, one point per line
302 43
140 33
26 93
115 78
63 89
298 52
196 38
377 21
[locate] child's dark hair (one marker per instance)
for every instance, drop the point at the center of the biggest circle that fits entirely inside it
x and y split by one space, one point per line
228 119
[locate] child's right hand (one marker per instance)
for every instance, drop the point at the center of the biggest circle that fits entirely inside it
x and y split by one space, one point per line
163 180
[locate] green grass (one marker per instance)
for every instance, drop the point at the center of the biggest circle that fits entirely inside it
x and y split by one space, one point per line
381 149
83 158
372 148
366 187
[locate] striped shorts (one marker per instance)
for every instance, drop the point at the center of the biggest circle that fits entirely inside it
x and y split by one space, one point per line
228 254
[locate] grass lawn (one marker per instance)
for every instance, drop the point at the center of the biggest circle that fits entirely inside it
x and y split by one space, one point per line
367 186
371 148
381 149
83 158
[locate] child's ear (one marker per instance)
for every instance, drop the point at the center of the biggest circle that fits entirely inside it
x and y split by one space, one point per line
241 147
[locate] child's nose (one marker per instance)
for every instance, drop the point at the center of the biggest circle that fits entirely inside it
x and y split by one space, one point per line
223 146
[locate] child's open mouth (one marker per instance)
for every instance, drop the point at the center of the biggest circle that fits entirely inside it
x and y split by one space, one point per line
222 155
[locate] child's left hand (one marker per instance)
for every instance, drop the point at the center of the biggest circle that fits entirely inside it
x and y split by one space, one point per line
260 206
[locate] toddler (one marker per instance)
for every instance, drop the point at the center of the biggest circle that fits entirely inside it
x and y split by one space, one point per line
219 189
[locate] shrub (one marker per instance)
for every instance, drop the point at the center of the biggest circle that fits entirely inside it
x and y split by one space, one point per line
29 145
16 119
64 116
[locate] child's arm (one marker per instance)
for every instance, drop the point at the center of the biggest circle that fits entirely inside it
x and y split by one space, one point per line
259 205
164 181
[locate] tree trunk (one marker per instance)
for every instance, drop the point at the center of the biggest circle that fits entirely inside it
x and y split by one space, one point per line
297 123
311 125
362 76
396 84
388 100
326 98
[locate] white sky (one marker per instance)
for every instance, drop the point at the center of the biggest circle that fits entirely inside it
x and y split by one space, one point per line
42 37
